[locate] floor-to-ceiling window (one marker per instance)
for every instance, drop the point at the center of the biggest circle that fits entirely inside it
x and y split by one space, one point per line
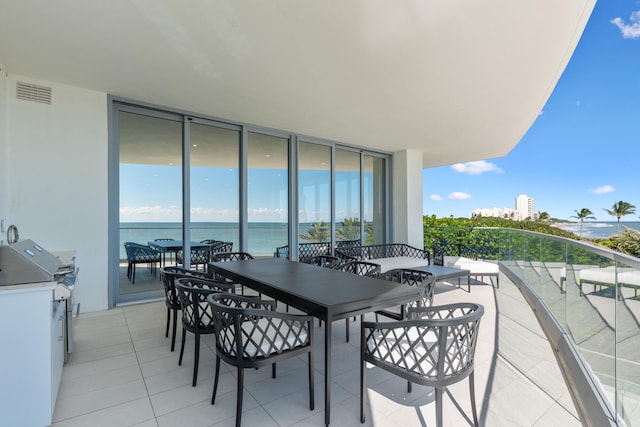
214 183
185 177
267 193
314 192
347 195
374 199
150 194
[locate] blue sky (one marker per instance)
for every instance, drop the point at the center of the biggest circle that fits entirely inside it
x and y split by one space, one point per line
583 151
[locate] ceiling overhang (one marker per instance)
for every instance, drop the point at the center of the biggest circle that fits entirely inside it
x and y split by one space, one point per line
455 80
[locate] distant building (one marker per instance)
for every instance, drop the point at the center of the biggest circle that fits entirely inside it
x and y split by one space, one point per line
524 209
524 206
506 213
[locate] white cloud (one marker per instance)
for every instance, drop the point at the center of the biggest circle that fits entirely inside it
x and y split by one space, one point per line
631 30
476 168
459 195
435 197
578 103
603 189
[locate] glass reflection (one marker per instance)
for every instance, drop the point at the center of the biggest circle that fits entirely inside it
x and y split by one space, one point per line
267 193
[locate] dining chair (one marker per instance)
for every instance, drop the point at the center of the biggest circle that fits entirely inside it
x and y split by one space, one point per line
328 261
171 300
435 347
196 311
425 281
231 256
216 246
250 334
140 254
361 268
200 255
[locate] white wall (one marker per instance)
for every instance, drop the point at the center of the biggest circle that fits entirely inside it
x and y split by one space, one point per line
407 198
4 150
57 179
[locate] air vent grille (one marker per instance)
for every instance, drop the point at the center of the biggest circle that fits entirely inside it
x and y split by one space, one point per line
35 93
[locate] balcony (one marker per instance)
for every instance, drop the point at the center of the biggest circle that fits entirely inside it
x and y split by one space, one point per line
123 372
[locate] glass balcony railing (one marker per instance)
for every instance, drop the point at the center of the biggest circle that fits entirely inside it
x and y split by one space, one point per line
592 297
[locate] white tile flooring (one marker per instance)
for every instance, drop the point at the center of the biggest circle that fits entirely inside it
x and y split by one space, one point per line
122 373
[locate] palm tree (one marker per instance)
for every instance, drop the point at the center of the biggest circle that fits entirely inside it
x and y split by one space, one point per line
585 213
619 210
544 216
349 229
318 232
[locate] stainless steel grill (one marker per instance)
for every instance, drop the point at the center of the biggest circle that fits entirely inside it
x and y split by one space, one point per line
26 262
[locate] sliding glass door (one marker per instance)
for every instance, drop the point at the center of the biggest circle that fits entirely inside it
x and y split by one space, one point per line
267 193
182 180
150 199
214 183
314 192
347 195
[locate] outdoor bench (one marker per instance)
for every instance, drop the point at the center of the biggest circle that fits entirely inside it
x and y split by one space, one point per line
389 256
312 249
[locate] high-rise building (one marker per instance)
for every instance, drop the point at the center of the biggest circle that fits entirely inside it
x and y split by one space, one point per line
524 206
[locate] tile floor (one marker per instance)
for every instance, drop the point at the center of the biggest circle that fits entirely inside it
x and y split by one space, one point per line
122 373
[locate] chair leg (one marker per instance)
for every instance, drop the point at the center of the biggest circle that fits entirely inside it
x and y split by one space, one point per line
312 400
408 386
133 274
239 399
362 382
472 392
273 370
182 347
173 334
347 325
215 381
196 361
438 407
166 334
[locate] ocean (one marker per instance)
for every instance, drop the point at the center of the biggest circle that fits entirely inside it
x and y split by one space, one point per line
263 238
598 229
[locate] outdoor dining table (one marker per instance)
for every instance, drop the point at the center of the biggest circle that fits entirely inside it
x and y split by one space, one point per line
174 246
321 292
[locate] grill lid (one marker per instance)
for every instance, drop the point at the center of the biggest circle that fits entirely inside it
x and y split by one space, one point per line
26 262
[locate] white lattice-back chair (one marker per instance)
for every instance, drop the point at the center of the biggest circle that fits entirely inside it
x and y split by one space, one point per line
436 348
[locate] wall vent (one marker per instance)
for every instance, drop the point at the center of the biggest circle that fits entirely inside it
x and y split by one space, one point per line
31 92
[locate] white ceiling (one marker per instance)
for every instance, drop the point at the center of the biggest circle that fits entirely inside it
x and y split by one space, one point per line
457 80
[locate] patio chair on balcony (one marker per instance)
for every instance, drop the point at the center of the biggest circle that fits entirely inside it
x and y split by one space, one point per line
140 254
196 311
231 256
250 334
361 268
435 349
422 279
199 256
327 261
218 246
171 301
